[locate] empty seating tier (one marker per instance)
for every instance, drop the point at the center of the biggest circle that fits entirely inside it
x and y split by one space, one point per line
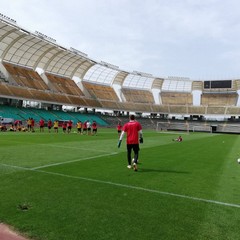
174 98
138 96
219 99
64 85
25 77
101 92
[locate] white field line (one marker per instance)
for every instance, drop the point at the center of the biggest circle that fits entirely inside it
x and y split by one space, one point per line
16 167
131 187
75 160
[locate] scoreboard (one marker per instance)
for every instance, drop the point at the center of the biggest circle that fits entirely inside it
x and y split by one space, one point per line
218 84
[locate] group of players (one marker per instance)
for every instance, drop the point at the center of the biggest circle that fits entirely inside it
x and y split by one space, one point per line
84 128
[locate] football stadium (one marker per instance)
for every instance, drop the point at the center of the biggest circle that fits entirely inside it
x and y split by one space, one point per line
67 185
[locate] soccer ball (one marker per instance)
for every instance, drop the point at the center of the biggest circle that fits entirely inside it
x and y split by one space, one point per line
238 160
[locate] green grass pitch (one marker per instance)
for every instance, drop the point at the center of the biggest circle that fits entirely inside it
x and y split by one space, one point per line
69 186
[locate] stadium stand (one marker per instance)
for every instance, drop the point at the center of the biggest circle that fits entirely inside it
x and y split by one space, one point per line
233 111
216 110
138 96
45 96
178 109
101 92
197 110
23 114
4 89
161 109
176 98
25 77
61 98
19 92
79 101
91 117
109 104
64 85
140 107
126 106
219 99
10 112
93 102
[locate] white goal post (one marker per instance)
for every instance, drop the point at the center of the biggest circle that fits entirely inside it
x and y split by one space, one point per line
172 127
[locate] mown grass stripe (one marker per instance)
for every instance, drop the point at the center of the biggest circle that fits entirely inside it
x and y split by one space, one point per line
128 186
75 160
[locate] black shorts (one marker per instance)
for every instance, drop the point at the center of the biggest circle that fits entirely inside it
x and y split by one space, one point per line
135 147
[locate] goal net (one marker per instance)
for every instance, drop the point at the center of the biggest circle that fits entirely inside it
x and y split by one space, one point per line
172 127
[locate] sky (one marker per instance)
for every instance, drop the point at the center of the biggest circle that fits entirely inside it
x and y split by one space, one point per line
198 39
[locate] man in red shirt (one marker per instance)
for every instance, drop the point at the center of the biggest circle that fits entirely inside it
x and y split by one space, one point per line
179 139
85 128
94 128
41 125
32 124
69 126
49 124
119 128
64 126
134 136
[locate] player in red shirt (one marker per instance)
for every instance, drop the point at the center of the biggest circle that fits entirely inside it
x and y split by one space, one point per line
94 128
64 126
119 128
69 126
134 136
41 125
32 124
85 128
179 139
49 124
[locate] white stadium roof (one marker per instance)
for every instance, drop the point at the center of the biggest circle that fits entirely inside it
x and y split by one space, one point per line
102 74
32 50
36 50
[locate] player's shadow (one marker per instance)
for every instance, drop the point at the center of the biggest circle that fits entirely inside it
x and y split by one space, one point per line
147 170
